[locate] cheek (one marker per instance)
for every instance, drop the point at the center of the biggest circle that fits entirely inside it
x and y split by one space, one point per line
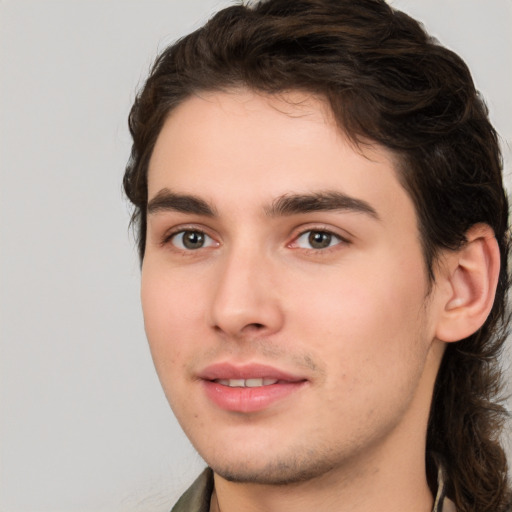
172 301
168 317
367 321
171 309
372 349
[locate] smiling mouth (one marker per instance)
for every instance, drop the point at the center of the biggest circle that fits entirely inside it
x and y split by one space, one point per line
248 388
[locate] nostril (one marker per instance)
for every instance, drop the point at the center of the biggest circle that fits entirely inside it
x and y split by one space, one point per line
249 327
256 326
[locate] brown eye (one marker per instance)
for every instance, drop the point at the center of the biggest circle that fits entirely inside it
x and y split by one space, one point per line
191 240
317 239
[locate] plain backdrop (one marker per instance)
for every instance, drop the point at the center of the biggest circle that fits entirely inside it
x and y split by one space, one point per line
84 425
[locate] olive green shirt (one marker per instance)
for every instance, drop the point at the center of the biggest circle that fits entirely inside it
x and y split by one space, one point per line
197 497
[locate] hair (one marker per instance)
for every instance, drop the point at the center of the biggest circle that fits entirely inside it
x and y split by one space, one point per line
388 82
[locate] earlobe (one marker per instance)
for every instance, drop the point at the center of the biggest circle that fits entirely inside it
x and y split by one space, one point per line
472 276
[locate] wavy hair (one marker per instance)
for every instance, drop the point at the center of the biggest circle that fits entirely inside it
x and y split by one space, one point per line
387 81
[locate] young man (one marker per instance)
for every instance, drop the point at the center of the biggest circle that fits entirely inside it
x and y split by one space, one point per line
323 234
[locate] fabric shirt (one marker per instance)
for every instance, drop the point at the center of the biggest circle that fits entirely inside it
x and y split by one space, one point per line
197 497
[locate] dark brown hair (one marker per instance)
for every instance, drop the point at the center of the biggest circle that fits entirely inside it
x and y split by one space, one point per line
389 82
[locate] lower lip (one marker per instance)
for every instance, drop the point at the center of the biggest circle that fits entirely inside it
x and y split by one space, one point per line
249 399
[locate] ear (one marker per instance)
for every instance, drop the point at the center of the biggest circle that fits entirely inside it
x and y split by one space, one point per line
470 276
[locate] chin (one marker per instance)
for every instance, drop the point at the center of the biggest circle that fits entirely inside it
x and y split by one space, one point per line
279 472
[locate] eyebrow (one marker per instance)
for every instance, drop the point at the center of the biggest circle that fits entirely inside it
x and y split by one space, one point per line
292 204
285 205
166 200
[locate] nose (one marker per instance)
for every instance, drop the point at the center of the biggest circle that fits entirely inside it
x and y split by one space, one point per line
245 301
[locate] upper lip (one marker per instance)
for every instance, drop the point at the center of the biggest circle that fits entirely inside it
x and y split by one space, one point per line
246 371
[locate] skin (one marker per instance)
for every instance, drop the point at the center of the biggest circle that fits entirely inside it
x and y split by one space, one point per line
355 320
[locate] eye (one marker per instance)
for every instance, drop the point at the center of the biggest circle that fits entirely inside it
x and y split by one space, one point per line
317 239
190 240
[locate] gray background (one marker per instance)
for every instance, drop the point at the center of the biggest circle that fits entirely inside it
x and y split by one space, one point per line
84 425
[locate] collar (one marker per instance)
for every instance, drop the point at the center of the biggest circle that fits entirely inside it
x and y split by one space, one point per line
442 503
197 497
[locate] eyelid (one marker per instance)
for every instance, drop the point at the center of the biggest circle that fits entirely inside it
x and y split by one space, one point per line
299 232
169 235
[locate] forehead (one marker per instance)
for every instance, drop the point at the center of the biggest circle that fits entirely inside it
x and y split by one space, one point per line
232 124
253 147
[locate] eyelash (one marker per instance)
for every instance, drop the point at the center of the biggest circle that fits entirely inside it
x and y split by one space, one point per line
335 240
338 239
168 239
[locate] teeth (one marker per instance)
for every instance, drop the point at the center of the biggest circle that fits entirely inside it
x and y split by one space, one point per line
253 383
246 383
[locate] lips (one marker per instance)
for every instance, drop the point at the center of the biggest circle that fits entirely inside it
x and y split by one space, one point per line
248 388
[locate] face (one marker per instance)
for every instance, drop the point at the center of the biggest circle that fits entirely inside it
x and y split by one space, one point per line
284 289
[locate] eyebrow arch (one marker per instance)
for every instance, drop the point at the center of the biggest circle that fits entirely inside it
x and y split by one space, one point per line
166 200
292 204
